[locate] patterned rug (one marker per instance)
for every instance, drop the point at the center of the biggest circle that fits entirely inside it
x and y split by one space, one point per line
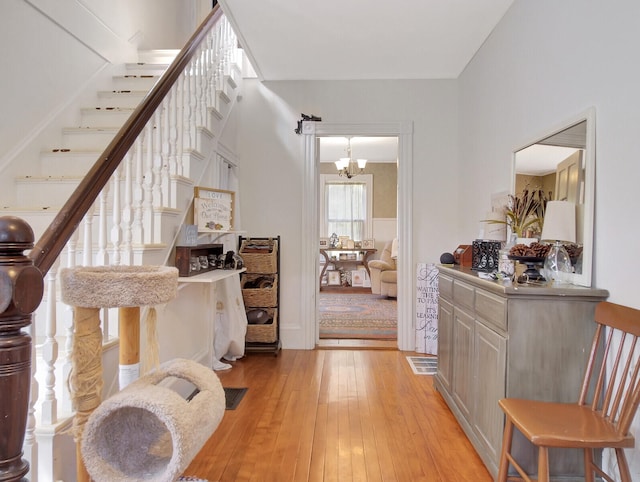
359 316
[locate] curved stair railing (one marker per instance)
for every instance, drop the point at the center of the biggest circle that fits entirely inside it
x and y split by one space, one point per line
134 181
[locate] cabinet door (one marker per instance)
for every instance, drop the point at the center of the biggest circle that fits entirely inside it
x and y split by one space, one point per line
462 361
445 343
490 354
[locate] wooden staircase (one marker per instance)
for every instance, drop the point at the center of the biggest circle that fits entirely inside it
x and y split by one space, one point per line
136 218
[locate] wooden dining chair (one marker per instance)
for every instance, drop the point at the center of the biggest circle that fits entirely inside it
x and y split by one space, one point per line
602 416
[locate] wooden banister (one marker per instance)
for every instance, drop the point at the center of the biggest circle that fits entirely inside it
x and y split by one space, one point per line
56 236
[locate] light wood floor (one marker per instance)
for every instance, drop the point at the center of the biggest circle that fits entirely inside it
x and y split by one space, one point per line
336 415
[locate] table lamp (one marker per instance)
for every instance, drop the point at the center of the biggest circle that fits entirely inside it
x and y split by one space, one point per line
559 226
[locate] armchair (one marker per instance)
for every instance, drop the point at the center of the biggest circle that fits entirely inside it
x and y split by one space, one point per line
384 275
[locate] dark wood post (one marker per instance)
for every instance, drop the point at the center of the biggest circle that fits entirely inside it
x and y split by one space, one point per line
21 287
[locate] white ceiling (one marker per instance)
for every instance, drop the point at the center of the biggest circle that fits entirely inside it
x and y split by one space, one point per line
362 39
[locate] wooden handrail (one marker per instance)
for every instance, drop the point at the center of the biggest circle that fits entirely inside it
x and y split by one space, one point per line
52 242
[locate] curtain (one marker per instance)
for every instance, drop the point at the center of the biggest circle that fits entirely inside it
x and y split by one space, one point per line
346 208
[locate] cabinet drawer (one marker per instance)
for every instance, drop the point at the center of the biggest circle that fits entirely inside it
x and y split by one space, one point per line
492 309
463 294
445 287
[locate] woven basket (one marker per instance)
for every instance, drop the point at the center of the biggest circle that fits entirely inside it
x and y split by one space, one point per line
260 297
267 333
260 262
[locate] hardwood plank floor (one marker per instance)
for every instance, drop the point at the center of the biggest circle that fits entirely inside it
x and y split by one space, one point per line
336 415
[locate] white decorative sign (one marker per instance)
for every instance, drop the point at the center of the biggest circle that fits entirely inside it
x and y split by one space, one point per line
213 209
427 308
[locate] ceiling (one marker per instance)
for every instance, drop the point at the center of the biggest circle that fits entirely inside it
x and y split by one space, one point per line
362 39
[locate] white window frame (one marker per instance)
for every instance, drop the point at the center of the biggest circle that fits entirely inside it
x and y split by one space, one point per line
366 179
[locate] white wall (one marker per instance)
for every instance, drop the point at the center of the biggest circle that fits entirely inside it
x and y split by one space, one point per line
272 157
53 51
545 62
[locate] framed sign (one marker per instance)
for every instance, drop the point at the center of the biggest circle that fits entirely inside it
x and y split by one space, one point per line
324 243
213 209
368 243
333 278
358 277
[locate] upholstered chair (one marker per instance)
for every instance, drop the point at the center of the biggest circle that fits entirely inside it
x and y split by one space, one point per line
384 275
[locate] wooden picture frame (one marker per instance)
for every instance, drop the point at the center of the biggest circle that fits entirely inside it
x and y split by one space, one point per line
368 243
213 209
333 278
357 277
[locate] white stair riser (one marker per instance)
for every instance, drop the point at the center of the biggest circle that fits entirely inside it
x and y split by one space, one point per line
137 81
105 117
120 98
90 139
72 163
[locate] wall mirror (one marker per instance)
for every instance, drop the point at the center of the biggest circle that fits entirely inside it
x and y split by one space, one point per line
562 161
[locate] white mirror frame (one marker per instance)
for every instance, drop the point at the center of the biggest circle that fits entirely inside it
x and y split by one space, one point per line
583 279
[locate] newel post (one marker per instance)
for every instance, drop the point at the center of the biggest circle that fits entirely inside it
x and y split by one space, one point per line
21 288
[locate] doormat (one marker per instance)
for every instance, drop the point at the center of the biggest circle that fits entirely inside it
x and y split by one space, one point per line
423 365
233 396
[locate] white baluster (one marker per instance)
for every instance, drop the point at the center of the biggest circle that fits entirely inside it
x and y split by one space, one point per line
50 350
198 93
173 134
187 143
101 255
127 212
138 192
180 126
157 161
116 219
164 154
68 311
87 241
192 103
147 215
30 444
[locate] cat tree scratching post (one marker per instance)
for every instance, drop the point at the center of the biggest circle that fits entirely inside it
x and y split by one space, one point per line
88 289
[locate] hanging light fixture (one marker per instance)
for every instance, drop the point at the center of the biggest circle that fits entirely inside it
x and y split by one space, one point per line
349 167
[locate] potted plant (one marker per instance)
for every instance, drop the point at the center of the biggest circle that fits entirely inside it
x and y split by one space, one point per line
524 212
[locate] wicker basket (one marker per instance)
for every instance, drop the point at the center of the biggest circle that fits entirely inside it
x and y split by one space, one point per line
266 333
261 262
260 297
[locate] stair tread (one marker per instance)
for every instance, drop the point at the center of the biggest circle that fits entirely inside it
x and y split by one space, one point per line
108 110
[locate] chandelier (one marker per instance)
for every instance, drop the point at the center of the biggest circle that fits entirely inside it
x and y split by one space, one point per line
349 167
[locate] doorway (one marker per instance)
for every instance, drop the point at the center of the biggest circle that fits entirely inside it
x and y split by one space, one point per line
357 221
310 233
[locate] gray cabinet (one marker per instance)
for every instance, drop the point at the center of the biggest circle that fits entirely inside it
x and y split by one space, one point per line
497 341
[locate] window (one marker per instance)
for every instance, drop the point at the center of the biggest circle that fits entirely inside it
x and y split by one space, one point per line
346 206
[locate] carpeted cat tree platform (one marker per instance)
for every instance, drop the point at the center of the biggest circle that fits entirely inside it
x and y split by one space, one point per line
146 431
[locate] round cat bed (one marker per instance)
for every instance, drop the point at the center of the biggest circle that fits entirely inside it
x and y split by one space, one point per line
149 432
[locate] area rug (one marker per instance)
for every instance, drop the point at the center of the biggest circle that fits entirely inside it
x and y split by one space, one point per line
423 365
358 316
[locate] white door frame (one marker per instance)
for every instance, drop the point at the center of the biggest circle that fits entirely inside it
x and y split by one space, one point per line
310 232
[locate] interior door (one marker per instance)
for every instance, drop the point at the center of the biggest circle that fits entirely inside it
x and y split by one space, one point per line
570 179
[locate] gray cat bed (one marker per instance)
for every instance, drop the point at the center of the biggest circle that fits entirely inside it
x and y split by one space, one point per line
148 432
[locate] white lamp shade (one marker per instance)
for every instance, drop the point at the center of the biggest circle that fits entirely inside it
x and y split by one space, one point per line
559 222
362 163
343 163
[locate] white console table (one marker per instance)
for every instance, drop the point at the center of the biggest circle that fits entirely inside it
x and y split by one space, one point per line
225 288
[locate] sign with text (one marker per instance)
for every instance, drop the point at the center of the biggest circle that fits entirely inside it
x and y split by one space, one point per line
427 308
213 209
